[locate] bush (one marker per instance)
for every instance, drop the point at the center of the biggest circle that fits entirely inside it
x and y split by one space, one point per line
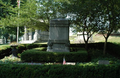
5 52
76 47
114 49
36 55
59 71
21 48
30 46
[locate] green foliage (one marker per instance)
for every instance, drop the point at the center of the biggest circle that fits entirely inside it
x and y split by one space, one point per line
36 55
5 52
30 46
21 48
10 33
109 18
114 49
33 14
59 71
9 60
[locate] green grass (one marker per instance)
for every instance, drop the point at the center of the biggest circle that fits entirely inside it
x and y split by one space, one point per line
97 38
41 43
4 46
100 38
72 39
114 39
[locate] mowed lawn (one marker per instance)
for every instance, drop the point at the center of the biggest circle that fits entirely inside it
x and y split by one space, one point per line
4 46
100 38
97 38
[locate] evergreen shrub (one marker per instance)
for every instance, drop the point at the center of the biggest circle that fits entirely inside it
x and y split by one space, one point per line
114 49
36 55
5 52
21 48
30 46
59 71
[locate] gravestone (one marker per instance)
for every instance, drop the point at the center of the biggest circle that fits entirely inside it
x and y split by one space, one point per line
44 36
105 62
1 41
58 36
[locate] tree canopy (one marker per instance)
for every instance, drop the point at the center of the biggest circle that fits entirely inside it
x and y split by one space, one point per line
87 15
94 15
33 14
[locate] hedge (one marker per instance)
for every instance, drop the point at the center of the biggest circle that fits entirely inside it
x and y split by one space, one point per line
59 71
114 49
36 55
5 52
23 47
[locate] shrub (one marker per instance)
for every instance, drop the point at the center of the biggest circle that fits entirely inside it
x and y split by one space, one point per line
36 55
42 45
30 46
59 71
21 48
113 49
5 52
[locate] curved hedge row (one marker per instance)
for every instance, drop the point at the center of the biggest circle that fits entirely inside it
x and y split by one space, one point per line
59 71
35 55
5 52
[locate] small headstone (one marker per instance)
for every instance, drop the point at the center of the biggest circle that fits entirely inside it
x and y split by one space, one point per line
1 41
69 63
104 62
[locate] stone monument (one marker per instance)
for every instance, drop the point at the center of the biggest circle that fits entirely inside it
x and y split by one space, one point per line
58 36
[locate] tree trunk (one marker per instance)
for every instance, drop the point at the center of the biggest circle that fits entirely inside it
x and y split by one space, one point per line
105 45
86 45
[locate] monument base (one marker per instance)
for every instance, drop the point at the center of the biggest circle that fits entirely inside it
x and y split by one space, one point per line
58 46
56 50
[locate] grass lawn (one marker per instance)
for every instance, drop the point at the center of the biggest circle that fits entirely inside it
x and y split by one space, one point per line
114 39
98 38
4 46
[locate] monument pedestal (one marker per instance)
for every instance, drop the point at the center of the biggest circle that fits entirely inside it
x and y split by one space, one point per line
58 46
58 36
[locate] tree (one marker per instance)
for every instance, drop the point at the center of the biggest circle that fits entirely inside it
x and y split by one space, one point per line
109 18
6 10
32 14
95 15
35 14
10 33
84 17
49 9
